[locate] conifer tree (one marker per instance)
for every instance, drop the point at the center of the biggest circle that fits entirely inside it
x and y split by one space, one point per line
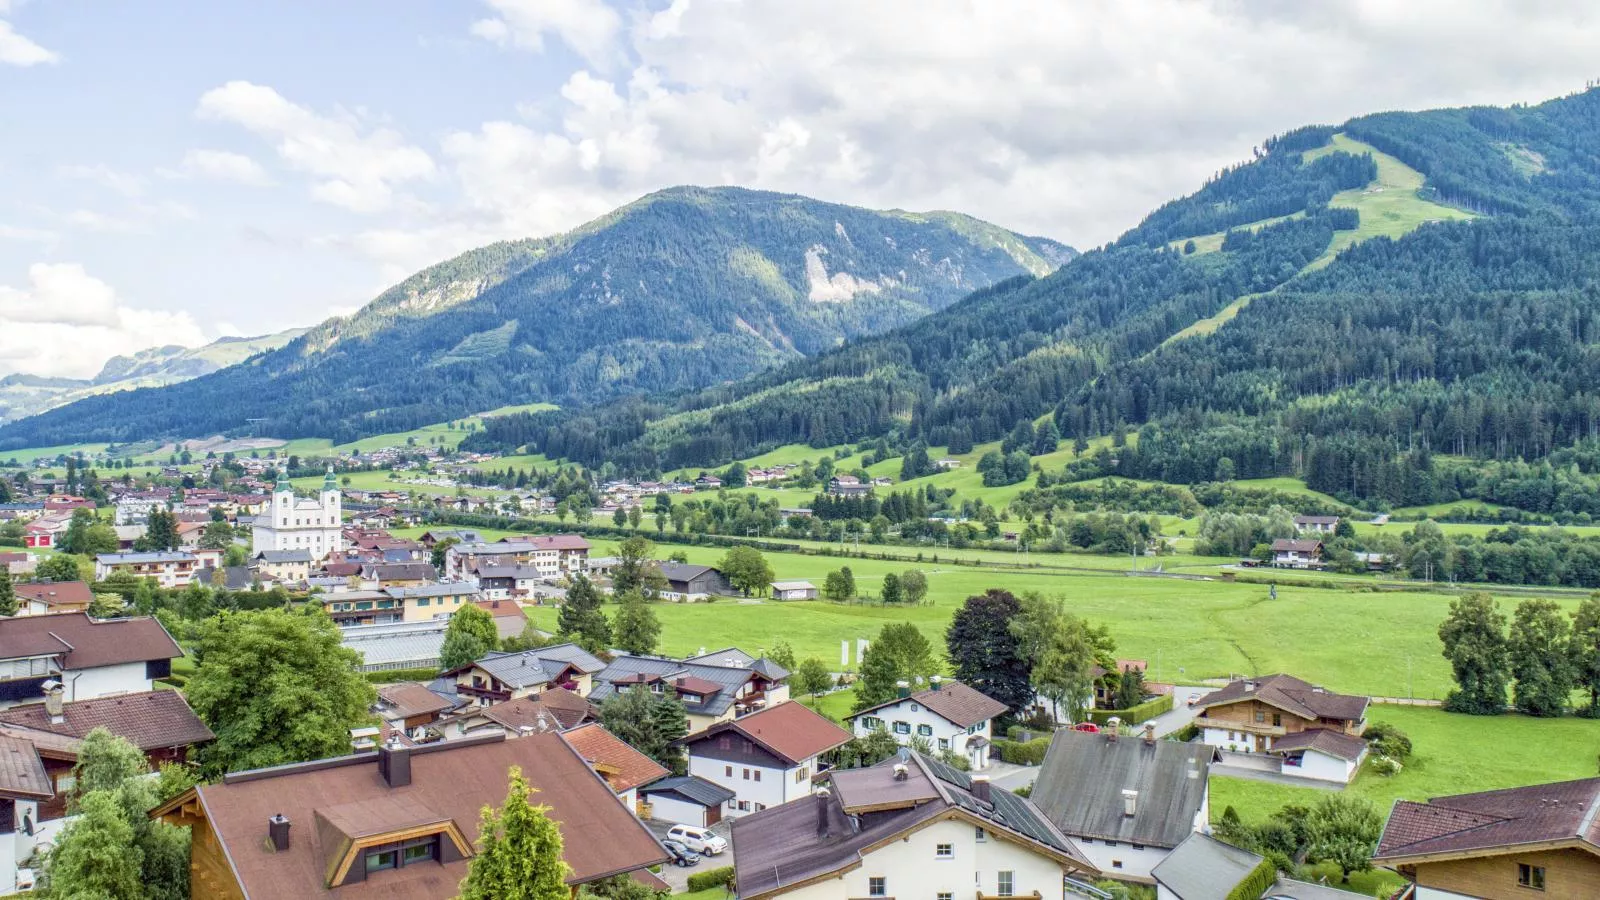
581 619
8 594
519 856
637 630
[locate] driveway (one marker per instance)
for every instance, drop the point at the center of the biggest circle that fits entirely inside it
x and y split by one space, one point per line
677 876
1181 713
1010 776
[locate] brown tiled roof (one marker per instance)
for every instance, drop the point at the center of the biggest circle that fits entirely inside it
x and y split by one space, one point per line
22 773
412 699
562 709
151 720
1494 820
693 685
49 745
56 593
790 730
1343 746
1291 695
1286 545
623 767
451 781
959 704
87 642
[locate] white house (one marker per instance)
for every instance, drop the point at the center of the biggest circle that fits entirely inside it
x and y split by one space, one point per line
1297 553
908 827
1126 802
1312 731
1319 525
766 758
948 715
301 523
88 657
170 568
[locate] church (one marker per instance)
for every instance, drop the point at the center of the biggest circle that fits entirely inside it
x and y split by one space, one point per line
300 523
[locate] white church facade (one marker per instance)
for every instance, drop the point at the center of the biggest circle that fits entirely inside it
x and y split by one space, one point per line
301 523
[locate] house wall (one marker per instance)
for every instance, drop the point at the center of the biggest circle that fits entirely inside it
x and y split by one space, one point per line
757 778
917 716
1322 767
913 870
1123 860
86 684
210 876
1569 875
670 809
17 846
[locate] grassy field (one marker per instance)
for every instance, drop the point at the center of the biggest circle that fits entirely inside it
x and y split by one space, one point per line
1389 207
380 481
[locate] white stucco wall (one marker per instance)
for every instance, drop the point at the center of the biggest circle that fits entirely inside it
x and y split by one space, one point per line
777 786
86 684
1124 860
916 715
914 871
1322 767
669 809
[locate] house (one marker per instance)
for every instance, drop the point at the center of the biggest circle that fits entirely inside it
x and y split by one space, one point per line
908 827
410 707
44 533
948 715
1204 868
946 463
1536 841
1297 553
399 822
41 598
423 603
684 799
713 687
88 657
291 566
687 582
508 582
1126 801
509 619
1313 731
398 574
396 646
1325 526
624 768
170 568
848 486
766 758
431 539
23 787
159 723
794 590
1105 687
498 677
16 563
555 708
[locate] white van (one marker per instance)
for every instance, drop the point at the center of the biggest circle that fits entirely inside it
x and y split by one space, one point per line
700 840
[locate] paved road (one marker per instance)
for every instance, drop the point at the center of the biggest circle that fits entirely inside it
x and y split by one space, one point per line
1181 713
1009 776
1255 774
677 876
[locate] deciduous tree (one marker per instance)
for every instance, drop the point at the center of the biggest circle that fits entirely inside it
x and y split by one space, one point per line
1343 829
1584 649
813 678
470 634
1474 641
519 855
913 587
891 592
95 856
746 569
636 630
1539 650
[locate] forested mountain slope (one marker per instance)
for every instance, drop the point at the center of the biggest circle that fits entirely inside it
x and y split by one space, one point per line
685 288
23 395
1312 313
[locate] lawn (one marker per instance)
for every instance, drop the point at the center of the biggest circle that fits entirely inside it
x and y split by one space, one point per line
838 704
1389 208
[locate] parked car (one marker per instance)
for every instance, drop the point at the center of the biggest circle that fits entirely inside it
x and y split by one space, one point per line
700 840
1087 728
681 856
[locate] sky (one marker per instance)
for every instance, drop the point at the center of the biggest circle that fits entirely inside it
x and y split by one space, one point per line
176 171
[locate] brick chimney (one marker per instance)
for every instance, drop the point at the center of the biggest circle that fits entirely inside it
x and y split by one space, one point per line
278 832
823 795
394 763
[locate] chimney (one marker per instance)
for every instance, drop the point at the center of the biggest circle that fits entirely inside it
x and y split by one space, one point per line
1249 686
278 832
981 789
937 682
1130 803
900 771
902 689
823 794
52 702
394 763
1150 733
1113 726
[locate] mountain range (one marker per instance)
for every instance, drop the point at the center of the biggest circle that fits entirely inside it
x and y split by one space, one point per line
1369 307
685 288
23 395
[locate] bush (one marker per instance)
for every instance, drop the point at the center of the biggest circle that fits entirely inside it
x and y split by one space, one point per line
1388 740
1134 715
1187 733
711 878
393 675
1387 766
1256 883
1022 754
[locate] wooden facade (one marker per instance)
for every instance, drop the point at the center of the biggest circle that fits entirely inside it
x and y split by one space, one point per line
210 875
1263 719
1568 874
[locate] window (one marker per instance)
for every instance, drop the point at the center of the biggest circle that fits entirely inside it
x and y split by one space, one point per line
387 859
760 807
1530 876
981 835
758 775
877 886
801 774
1116 864
944 743
925 730
744 805
975 728
727 771
945 895
902 728
944 851
1277 720
1261 715
916 708
418 852
1111 843
871 722
1138 846
422 601
746 774
1005 885
733 804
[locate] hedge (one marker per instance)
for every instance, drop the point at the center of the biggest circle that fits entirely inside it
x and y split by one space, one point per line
1134 715
713 878
394 675
1256 883
1028 754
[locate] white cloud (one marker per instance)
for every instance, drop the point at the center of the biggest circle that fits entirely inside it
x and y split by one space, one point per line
221 165
18 50
124 183
356 166
589 27
66 322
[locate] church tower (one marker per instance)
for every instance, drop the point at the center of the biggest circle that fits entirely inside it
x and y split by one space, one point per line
282 500
330 498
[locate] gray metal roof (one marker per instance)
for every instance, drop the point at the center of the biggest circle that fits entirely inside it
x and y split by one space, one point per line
442 589
691 787
535 667
398 642
1204 868
727 678
284 556
1080 787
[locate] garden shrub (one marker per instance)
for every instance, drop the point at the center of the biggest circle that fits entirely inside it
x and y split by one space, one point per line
711 878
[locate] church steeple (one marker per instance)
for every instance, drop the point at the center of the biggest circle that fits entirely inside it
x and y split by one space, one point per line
329 483
283 486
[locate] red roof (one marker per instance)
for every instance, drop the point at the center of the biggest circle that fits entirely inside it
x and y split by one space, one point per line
1494 821
623 767
56 593
790 730
84 642
151 720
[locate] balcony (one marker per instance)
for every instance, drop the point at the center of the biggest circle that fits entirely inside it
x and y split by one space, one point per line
483 693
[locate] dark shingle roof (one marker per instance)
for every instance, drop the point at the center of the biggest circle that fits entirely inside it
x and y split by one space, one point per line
1332 743
151 720
953 701
1291 695
1080 787
410 698
22 773
691 787
86 642
1562 811
1296 545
